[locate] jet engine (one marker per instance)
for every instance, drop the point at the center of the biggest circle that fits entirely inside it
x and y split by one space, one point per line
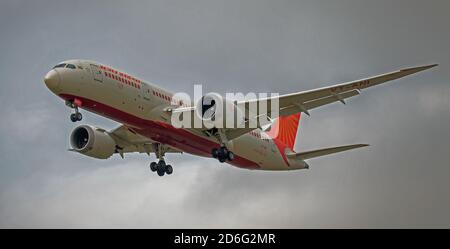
92 141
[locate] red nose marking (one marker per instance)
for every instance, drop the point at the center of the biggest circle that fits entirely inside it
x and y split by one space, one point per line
77 102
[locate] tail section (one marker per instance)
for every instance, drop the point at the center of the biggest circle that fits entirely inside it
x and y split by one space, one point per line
285 130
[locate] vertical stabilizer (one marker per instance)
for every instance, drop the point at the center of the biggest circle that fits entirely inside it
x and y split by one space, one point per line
285 130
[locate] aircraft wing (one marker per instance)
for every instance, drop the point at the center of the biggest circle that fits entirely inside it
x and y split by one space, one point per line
128 141
307 100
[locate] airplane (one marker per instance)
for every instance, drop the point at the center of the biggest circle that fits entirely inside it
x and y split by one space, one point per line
144 111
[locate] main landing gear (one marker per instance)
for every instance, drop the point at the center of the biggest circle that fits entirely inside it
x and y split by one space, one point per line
77 116
160 167
222 154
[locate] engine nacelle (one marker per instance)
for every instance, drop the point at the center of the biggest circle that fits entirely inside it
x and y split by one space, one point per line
92 141
218 112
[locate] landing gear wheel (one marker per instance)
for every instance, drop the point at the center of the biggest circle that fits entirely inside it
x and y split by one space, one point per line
153 166
215 153
161 168
230 156
79 116
73 117
162 164
169 169
222 154
160 172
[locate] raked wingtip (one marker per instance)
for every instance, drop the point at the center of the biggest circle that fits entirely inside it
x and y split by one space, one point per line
419 69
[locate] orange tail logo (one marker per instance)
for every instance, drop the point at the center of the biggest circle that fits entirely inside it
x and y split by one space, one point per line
285 130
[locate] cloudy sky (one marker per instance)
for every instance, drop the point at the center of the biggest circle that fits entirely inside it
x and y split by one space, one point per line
402 180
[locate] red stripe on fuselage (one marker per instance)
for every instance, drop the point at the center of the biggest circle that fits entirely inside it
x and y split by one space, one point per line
161 132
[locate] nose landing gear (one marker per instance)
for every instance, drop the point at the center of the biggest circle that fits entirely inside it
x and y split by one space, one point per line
77 116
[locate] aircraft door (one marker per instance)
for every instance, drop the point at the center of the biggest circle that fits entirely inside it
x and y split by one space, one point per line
97 73
147 92
145 100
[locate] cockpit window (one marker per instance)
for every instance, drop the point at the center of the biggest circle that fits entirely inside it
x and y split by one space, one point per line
60 65
71 66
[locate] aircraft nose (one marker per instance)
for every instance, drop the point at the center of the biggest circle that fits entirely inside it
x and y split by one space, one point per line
52 80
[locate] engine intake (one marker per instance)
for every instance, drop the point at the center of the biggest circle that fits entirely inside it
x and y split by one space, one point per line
92 141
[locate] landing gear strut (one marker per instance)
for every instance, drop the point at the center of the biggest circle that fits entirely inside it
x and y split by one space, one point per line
77 116
160 167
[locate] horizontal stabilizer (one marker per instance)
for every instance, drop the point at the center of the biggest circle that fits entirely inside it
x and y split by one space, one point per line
323 152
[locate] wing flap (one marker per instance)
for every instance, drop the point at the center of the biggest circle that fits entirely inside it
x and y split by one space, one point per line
125 136
292 109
